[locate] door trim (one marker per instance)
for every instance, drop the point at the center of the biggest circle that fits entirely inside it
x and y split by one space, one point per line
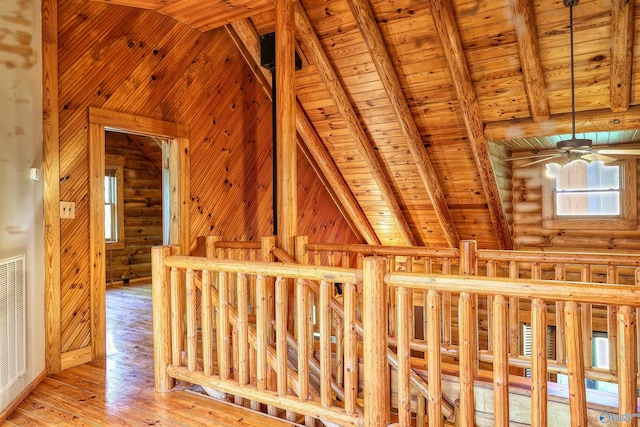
178 135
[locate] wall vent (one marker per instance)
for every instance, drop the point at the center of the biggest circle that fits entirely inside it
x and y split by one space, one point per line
12 321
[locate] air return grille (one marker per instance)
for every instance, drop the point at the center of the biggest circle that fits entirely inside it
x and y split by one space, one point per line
12 321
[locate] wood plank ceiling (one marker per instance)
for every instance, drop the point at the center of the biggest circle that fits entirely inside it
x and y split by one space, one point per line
409 98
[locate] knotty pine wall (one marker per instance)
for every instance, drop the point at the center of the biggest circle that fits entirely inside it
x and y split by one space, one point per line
529 234
142 210
142 63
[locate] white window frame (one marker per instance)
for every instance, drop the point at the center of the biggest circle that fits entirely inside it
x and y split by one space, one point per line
117 163
627 220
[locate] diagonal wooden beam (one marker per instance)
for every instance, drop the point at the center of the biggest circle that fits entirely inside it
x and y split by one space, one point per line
529 52
622 34
445 23
309 38
560 124
377 49
245 37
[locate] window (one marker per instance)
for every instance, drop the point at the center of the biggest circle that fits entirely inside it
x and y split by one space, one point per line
581 195
114 202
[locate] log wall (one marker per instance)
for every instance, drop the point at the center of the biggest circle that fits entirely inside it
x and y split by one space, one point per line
142 211
527 219
142 63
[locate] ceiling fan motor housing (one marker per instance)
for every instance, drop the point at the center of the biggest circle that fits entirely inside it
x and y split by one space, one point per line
574 144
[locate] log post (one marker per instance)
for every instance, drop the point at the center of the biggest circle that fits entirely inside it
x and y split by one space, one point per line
376 380
210 246
161 319
627 368
575 364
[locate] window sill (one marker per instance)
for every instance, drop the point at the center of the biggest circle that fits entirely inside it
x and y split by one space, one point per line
111 246
590 224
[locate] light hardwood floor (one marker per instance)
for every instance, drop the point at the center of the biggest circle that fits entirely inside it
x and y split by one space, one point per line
118 390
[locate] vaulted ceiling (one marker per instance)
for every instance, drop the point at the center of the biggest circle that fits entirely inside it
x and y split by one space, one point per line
410 106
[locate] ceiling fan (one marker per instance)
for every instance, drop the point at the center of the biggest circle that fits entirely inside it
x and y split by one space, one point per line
576 148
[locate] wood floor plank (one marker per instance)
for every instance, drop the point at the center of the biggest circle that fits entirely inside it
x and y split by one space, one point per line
119 390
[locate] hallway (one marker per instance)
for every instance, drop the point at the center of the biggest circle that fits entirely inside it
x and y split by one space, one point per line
118 390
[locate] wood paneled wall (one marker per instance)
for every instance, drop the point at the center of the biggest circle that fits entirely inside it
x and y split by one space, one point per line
142 210
140 62
527 219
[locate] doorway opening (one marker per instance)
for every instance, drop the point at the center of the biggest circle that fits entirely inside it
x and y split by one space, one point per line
168 147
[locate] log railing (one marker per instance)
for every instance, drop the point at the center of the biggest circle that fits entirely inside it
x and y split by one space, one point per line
542 293
221 358
254 353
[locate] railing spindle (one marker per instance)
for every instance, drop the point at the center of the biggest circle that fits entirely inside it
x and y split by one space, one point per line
491 272
404 356
627 368
446 306
303 341
500 362
514 314
467 366
575 364
586 313
177 334
242 327
192 328
281 335
207 323
561 349
339 356
223 326
434 359
612 321
350 348
325 343
539 363
262 322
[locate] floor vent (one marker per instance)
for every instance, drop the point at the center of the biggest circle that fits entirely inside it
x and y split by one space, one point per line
12 321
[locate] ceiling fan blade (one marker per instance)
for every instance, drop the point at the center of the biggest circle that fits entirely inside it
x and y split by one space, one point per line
535 156
621 151
597 157
554 156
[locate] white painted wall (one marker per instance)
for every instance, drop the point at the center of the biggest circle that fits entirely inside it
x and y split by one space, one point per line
21 200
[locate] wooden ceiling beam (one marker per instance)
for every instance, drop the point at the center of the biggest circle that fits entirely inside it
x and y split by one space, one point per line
622 35
366 21
309 38
245 37
529 53
603 120
445 24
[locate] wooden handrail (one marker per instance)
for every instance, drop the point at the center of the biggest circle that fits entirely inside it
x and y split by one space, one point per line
295 271
233 244
371 250
592 293
559 257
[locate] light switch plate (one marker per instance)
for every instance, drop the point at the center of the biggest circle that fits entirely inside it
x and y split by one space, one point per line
67 210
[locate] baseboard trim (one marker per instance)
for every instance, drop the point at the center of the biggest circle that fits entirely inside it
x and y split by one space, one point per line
14 405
